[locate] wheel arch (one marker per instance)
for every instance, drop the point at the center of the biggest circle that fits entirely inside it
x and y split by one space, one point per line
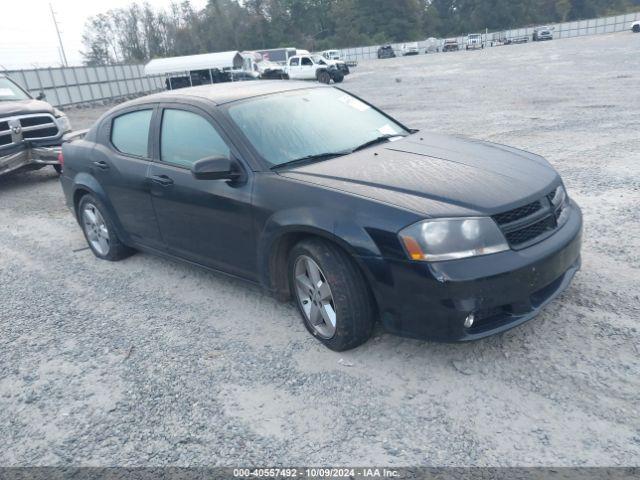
84 184
275 256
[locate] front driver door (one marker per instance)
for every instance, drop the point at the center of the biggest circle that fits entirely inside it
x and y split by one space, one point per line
294 67
307 69
205 221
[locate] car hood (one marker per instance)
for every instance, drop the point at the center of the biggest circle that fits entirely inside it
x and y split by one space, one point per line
22 107
437 175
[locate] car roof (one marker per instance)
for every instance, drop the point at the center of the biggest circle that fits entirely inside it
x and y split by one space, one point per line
221 93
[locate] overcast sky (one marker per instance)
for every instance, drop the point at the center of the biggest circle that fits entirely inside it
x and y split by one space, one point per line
28 37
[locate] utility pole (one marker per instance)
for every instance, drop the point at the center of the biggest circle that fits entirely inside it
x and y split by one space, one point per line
55 23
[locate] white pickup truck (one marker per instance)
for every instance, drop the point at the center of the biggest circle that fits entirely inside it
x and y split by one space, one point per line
315 67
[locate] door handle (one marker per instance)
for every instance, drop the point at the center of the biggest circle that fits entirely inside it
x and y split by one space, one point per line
102 165
162 180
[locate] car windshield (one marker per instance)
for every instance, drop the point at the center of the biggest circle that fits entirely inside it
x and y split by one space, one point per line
10 91
315 122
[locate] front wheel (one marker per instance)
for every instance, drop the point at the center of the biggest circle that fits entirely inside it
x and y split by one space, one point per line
338 78
99 231
331 294
324 77
636 28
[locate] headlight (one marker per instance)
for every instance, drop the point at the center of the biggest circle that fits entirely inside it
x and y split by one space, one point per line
63 123
559 196
451 238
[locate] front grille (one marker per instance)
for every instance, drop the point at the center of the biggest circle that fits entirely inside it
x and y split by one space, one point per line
17 129
517 213
524 225
33 121
40 133
524 235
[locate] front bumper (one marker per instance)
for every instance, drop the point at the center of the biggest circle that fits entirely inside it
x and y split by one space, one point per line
502 290
36 155
29 156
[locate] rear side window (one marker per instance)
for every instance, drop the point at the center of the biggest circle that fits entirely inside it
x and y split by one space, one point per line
130 132
294 62
187 137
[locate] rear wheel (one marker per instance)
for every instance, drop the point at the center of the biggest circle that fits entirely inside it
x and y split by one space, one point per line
99 231
331 294
636 28
58 168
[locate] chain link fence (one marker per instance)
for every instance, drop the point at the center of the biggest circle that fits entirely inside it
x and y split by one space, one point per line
618 23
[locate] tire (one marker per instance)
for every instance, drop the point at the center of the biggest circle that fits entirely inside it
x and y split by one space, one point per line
323 77
346 317
636 29
338 78
58 168
109 248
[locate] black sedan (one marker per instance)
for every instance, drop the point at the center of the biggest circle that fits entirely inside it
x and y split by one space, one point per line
318 196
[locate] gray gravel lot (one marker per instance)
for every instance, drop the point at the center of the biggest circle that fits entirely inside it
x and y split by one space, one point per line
150 362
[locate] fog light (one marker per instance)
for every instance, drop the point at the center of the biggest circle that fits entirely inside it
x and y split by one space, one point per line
469 320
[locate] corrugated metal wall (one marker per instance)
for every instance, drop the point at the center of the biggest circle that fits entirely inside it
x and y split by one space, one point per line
77 85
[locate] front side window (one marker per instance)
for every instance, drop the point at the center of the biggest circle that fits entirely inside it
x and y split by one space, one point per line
187 137
291 125
306 61
130 132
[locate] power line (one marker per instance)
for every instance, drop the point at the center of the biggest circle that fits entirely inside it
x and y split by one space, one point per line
55 23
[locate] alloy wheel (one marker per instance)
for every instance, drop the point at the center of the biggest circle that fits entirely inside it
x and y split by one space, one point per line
314 296
96 229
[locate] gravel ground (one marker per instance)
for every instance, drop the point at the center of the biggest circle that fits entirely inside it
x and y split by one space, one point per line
150 362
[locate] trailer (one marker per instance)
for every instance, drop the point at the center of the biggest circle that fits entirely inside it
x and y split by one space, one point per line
278 55
203 69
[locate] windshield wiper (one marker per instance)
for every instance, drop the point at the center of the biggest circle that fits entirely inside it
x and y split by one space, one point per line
316 157
375 141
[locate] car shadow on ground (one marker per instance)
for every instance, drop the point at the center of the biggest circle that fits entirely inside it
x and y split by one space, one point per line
21 178
286 329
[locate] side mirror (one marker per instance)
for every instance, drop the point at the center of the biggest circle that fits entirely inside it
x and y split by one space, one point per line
41 96
216 168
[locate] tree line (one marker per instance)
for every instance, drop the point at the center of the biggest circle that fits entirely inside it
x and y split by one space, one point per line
140 32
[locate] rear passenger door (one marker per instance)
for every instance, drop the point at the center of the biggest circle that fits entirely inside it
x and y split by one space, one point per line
205 221
119 163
